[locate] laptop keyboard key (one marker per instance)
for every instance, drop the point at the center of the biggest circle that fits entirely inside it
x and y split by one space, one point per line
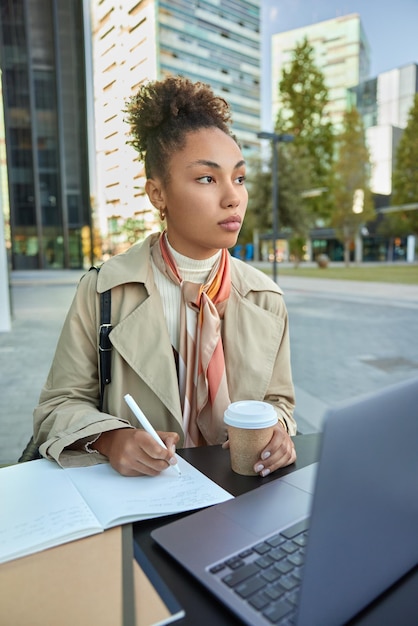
264 561
259 601
273 592
262 548
250 586
271 574
296 559
296 529
234 562
235 578
288 583
283 567
301 540
289 547
245 553
293 596
276 540
275 612
277 553
297 573
217 568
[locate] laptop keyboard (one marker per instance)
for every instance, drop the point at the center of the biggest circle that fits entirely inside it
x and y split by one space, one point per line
267 575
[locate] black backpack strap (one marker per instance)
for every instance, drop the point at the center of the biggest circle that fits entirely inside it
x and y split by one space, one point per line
105 346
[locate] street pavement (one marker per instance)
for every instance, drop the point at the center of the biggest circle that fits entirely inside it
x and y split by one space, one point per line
347 338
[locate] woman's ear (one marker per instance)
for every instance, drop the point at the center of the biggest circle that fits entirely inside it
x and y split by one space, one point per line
155 193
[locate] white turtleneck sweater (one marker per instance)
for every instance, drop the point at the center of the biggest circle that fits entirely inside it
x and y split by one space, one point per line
195 271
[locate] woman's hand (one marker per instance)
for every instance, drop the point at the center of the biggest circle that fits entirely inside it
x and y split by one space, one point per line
279 453
133 452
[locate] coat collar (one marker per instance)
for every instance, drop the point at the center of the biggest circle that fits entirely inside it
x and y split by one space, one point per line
246 278
133 266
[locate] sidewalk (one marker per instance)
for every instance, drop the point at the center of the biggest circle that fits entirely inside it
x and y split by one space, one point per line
40 301
380 292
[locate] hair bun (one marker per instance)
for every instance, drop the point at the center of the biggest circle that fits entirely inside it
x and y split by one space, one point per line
162 112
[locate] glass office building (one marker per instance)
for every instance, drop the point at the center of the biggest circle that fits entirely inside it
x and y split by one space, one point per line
215 41
384 103
341 52
218 42
42 57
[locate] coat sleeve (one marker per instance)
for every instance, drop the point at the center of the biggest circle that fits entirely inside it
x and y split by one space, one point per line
67 416
281 392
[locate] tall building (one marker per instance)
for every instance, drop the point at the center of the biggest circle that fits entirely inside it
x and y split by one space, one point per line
341 52
384 103
42 60
215 41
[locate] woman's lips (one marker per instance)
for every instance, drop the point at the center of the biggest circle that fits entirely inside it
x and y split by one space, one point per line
231 224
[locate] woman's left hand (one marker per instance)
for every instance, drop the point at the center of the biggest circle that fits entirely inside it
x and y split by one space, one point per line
280 452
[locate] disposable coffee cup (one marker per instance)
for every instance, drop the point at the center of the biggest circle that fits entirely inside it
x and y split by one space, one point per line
250 426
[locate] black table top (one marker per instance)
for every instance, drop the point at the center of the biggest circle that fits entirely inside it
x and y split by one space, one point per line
397 605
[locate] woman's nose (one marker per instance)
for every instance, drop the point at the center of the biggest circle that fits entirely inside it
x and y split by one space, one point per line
231 198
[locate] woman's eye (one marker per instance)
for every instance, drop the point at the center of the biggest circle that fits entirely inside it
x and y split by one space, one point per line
240 180
205 180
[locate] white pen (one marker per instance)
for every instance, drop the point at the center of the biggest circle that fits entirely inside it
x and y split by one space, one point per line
145 423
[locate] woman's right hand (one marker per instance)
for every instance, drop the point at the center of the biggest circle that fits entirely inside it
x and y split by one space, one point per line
133 452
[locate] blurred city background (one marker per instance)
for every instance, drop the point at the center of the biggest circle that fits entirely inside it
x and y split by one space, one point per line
298 73
324 99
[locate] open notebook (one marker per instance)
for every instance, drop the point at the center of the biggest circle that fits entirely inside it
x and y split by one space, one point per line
43 505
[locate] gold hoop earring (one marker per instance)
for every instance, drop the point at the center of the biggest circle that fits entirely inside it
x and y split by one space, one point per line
162 215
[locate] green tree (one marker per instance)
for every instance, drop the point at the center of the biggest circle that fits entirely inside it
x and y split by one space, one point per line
292 181
405 177
132 229
353 205
304 165
258 216
303 98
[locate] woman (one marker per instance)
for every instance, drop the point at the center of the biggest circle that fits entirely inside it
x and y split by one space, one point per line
193 328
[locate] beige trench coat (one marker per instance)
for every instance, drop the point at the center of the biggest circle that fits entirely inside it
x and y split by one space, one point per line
256 346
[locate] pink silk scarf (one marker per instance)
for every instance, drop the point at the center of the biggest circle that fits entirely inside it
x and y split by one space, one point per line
202 376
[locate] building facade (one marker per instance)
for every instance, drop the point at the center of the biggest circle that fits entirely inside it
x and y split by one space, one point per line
215 41
384 103
42 57
341 53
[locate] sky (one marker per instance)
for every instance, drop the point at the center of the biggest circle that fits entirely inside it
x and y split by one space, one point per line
391 28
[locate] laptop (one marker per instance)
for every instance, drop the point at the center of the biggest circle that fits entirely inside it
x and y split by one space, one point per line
348 522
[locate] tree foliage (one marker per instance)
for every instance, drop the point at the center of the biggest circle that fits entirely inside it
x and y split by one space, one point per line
405 177
303 165
353 204
303 98
291 181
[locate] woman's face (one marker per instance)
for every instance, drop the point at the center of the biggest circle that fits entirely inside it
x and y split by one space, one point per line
205 199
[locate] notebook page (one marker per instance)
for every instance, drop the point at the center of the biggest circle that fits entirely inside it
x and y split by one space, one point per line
117 499
40 508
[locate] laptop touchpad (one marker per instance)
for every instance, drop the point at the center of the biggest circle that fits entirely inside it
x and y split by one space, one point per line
268 508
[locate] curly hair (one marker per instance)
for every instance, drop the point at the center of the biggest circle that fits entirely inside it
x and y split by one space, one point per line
161 114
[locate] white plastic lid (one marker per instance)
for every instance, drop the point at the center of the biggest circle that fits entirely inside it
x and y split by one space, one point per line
250 414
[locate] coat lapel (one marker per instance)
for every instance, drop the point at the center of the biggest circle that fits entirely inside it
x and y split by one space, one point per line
150 355
251 338
252 334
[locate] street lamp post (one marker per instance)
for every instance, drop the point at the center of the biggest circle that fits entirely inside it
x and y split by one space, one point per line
275 139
